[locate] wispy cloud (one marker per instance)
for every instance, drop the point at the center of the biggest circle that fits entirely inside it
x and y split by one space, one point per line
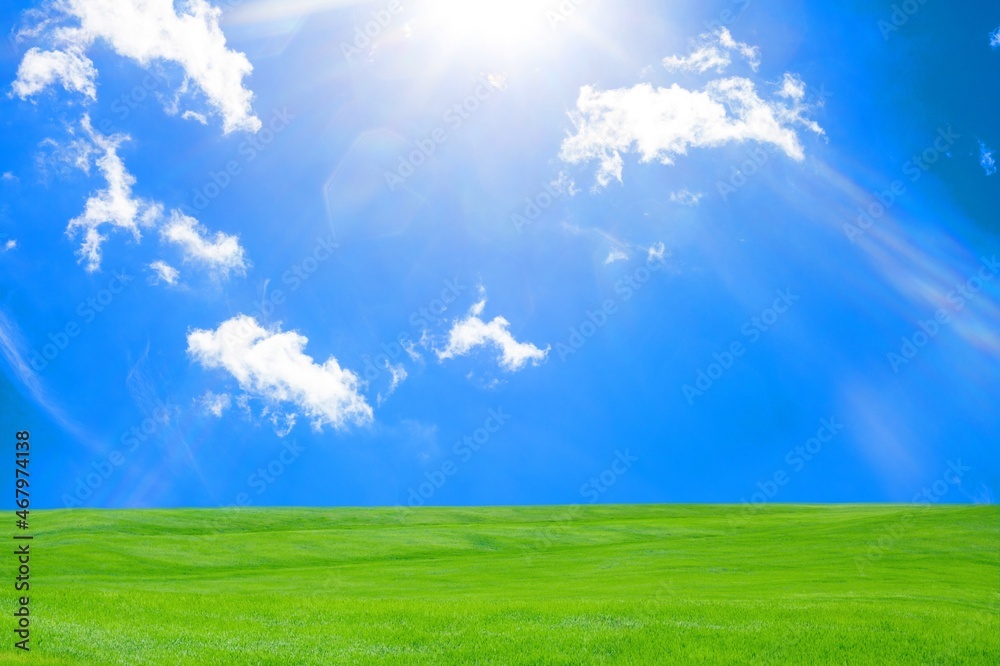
656 252
221 254
714 51
164 272
472 332
216 404
995 38
986 159
564 184
398 375
686 197
112 206
615 255
13 351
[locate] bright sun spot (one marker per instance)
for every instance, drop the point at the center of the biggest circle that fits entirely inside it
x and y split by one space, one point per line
486 22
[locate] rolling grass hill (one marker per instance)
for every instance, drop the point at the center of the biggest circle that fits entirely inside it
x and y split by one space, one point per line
668 584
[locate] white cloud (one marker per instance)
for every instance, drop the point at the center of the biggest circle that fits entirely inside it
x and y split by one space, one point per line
686 197
116 206
57 159
986 159
713 51
8 176
398 375
39 69
472 332
656 252
283 423
243 403
10 245
615 255
222 254
194 115
164 272
564 184
792 87
662 123
146 31
498 81
411 347
995 38
272 365
216 404
113 205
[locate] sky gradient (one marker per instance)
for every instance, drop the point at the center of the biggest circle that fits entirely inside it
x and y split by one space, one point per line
558 253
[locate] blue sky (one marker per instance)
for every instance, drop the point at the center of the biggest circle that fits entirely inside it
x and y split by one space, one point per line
523 253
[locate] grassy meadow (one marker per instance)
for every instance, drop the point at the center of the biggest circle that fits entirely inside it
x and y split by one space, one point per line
660 584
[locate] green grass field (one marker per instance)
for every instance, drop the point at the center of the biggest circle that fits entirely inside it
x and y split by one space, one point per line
667 584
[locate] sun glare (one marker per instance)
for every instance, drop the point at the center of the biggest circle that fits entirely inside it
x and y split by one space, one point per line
493 23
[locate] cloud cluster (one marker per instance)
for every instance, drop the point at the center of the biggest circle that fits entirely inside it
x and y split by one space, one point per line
185 33
115 207
472 332
273 365
662 123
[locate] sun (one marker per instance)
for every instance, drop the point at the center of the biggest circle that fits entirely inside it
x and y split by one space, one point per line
486 23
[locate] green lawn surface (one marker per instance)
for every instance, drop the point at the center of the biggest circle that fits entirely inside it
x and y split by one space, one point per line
596 584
